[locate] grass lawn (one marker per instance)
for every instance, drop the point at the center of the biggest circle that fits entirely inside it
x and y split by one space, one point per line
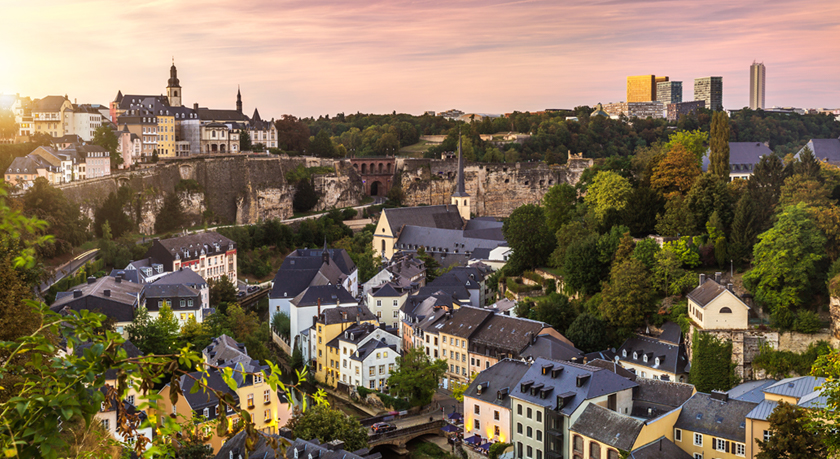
416 150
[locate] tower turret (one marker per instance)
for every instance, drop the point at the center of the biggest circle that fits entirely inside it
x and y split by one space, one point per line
460 199
238 100
173 87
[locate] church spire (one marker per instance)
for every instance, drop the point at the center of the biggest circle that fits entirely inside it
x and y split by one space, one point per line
460 190
238 100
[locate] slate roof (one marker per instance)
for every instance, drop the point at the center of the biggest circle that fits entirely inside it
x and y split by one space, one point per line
48 104
385 291
465 322
337 315
795 387
608 427
26 165
672 394
724 419
671 333
704 294
305 267
506 334
743 156
327 294
444 217
221 115
131 275
369 348
156 290
194 243
599 382
824 149
606 354
610 365
118 305
85 150
183 276
661 448
505 374
750 391
446 240
672 358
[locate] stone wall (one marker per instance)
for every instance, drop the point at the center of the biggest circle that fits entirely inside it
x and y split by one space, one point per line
495 189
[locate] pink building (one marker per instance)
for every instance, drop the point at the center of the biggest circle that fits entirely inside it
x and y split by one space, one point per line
129 146
97 161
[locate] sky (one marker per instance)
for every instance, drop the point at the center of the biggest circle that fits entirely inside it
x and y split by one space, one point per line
309 57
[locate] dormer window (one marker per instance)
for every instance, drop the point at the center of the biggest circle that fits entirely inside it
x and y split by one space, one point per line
656 362
635 356
624 352
644 358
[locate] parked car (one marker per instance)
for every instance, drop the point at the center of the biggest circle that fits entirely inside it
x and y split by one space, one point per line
382 427
253 289
240 294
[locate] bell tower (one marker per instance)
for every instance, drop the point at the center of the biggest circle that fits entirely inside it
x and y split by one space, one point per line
460 199
173 88
238 100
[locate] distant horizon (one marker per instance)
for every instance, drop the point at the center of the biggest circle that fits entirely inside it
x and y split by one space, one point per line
310 59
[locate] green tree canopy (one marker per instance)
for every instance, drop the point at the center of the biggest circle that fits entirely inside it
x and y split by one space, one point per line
154 335
675 173
528 235
222 292
787 261
105 138
305 196
589 333
582 269
328 424
609 191
693 141
791 435
629 297
558 203
719 146
416 377
66 223
171 215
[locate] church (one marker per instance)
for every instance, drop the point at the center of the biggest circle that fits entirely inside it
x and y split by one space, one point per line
169 129
446 232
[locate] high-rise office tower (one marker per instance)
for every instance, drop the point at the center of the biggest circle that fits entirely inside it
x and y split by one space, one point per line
757 86
669 92
709 90
641 88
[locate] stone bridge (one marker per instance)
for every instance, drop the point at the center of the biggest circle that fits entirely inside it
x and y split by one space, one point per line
397 439
377 173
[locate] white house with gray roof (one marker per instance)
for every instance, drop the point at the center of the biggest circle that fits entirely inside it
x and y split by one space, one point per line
368 356
743 157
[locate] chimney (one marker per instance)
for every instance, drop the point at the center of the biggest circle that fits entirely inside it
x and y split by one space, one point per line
719 395
195 106
702 279
729 287
91 280
118 279
107 292
77 293
319 307
718 276
335 445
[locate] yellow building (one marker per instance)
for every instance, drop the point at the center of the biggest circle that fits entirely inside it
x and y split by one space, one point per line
268 409
329 326
455 333
166 136
641 88
48 115
714 306
713 426
600 432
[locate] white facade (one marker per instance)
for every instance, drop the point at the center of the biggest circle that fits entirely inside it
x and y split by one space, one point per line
486 419
302 318
387 308
373 371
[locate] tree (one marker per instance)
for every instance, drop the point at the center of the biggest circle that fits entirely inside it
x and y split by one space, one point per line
628 298
558 204
281 324
322 145
711 363
113 211
824 419
589 333
788 260
676 172
693 141
678 220
791 436
66 223
802 188
719 146
416 377
646 250
608 192
566 235
305 196
171 214
708 195
154 335
555 310
643 206
764 188
744 230
222 293
292 134
432 266
458 388
807 164
528 235
244 141
105 138
582 270
327 424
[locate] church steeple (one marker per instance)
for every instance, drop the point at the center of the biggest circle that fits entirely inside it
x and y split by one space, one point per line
173 87
238 100
460 198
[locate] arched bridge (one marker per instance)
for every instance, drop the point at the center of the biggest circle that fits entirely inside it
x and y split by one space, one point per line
398 438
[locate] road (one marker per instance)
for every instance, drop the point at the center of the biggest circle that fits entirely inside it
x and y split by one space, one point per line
441 399
68 268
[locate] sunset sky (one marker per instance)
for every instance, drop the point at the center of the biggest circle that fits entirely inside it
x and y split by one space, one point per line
323 57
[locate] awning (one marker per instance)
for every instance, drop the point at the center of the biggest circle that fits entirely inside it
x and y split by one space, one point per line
456 415
485 447
474 440
450 428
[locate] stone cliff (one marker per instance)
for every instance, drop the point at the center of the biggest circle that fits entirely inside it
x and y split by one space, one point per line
496 189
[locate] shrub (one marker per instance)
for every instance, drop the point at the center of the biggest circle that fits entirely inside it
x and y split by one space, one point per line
531 275
807 322
550 286
348 214
781 364
189 185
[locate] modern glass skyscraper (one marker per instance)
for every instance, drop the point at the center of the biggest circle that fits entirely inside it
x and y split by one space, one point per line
757 86
709 90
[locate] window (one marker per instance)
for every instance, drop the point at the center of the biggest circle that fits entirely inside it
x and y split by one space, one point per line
130 399
594 450
496 415
766 435
379 316
519 427
539 435
539 454
529 432
519 411
258 379
698 455
206 413
382 369
378 303
477 425
698 439
372 382
444 352
396 314
530 451
612 454
477 409
443 339
519 449
183 303
719 444
251 400
678 434
372 371
378 355
217 410
528 413
266 396
740 449
644 358
106 424
539 416
267 415
496 430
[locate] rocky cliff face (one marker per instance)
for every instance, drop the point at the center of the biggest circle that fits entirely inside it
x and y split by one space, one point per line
495 189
